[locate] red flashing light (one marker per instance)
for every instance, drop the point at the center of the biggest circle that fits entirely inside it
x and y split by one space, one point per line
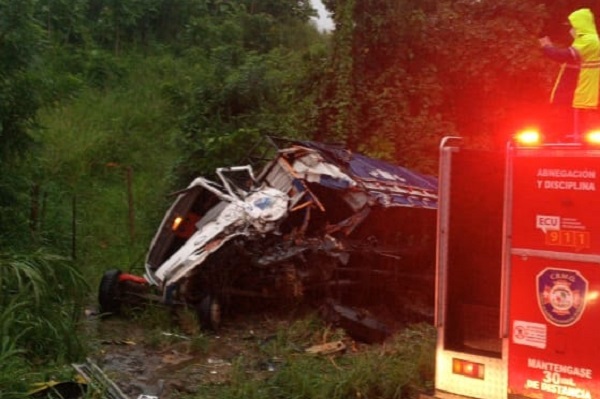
528 137
468 369
592 137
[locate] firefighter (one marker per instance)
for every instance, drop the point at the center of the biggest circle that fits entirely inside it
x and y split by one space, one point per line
577 86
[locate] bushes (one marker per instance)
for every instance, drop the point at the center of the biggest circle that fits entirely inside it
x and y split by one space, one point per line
40 295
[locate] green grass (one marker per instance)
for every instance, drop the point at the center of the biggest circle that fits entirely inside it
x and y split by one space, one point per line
271 361
398 368
90 144
40 305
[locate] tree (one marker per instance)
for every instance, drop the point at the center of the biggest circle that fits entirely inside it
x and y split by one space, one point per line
255 76
21 42
116 21
495 77
64 21
408 72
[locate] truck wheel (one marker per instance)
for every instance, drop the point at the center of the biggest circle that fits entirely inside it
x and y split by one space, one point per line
209 313
108 292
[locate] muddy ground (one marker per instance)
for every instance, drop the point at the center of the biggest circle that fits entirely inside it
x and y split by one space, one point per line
143 356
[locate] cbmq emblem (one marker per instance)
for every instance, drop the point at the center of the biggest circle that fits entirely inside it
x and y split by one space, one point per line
561 295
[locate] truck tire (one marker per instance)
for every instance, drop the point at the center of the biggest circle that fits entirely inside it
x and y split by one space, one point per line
209 313
109 292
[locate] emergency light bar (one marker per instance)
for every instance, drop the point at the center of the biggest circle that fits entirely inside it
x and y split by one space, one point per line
592 137
528 137
532 137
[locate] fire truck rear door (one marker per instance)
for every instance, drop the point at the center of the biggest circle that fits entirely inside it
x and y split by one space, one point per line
470 356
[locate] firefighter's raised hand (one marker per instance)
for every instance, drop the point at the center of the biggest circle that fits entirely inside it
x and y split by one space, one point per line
545 41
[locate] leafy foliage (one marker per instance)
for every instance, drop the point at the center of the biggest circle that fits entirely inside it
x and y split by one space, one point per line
21 42
40 302
407 73
255 75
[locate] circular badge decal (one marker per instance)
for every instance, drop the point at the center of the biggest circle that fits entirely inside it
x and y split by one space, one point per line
561 295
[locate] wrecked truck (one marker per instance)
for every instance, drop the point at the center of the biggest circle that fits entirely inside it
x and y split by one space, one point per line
318 224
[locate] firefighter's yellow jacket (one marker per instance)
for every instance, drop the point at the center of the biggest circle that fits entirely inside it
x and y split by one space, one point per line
578 82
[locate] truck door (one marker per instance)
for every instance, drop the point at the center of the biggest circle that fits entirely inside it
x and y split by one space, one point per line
471 357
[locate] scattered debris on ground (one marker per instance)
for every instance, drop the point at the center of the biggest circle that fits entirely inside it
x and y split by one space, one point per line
165 364
327 348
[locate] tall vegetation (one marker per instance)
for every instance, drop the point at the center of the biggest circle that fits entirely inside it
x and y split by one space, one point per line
39 306
21 43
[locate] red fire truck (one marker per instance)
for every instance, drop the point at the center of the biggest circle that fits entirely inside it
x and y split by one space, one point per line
518 270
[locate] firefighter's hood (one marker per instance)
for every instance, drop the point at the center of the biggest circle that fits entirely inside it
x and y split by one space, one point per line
582 21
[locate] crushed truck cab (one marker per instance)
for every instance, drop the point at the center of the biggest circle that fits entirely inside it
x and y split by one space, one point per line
518 272
318 224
